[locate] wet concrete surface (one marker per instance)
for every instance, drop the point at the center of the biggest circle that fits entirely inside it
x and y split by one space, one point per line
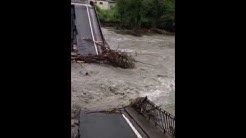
102 125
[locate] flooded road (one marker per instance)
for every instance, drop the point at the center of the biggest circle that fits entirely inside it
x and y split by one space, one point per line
101 87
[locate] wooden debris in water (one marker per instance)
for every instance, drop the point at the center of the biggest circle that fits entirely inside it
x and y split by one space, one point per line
115 58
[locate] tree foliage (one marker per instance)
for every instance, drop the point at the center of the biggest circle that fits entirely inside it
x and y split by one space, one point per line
134 14
106 16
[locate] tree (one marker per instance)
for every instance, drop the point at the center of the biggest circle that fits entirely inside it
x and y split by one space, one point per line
134 14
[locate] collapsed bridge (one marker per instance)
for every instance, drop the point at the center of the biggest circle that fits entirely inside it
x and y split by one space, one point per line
87 42
141 120
86 33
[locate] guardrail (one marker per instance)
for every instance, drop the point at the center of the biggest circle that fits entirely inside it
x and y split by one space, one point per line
162 119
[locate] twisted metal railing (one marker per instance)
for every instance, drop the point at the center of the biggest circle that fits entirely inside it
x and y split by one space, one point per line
162 119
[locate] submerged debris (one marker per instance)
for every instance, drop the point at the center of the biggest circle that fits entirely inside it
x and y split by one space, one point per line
115 58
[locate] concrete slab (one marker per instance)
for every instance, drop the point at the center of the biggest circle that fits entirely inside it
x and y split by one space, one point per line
85 29
104 125
134 123
85 45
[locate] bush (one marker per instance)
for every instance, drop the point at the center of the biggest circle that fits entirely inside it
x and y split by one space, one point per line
167 20
107 16
134 14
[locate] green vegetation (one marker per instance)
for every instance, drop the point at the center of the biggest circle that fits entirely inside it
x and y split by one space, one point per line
107 16
136 14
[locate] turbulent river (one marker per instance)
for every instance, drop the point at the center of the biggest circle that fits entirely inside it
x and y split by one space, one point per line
101 87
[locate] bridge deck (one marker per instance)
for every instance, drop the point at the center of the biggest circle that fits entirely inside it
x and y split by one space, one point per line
127 124
88 31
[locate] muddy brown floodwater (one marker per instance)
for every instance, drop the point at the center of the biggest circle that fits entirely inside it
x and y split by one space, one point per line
101 87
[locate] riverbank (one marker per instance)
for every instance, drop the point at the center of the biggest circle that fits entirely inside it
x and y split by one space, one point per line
137 32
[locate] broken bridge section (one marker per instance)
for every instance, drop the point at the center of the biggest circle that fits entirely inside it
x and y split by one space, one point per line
86 32
141 119
125 123
104 125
